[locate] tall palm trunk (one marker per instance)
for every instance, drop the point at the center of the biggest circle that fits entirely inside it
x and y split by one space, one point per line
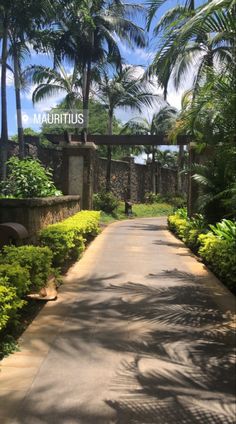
109 153
86 91
153 171
4 129
18 103
180 168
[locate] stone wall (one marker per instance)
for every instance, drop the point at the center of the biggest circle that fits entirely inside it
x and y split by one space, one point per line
128 180
133 181
35 214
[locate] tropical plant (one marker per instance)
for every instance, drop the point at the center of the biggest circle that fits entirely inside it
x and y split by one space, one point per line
28 178
217 185
18 22
194 40
87 36
105 201
125 90
51 81
226 230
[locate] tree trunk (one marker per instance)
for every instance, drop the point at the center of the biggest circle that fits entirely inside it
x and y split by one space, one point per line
154 189
4 129
109 153
86 91
180 168
18 104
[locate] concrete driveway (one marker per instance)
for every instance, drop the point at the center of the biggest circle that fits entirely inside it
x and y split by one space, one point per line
141 333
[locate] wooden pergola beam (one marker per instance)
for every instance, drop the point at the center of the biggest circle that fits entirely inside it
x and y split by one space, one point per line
120 140
135 140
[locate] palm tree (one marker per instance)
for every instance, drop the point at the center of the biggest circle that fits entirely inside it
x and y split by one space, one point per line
18 22
126 91
4 25
196 41
217 182
89 32
56 80
169 25
161 123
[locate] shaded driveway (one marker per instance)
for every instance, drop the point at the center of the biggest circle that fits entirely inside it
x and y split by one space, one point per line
142 333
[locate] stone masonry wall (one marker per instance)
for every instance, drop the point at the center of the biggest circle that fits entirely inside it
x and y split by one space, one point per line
35 214
128 180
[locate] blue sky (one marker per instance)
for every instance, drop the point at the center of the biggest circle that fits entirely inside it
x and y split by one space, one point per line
136 56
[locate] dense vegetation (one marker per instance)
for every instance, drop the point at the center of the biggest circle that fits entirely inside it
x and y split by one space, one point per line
215 244
27 178
67 238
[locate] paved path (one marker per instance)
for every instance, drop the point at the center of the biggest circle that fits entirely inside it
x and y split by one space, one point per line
141 333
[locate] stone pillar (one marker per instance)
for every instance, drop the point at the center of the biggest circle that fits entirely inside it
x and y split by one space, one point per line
78 168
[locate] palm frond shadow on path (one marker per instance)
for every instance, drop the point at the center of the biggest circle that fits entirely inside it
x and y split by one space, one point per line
183 347
183 371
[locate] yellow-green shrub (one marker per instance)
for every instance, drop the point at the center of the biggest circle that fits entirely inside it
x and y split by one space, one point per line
220 255
187 229
37 260
10 302
67 239
17 277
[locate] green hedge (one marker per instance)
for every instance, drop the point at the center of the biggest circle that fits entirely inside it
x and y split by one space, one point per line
37 260
221 257
67 239
17 277
216 247
10 302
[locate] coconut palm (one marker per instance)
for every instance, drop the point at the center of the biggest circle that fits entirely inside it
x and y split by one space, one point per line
4 25
170 16
89 36
169 25
18 21
53 81
194 41
160 124
124 90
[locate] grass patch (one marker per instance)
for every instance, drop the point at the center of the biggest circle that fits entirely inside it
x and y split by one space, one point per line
140 210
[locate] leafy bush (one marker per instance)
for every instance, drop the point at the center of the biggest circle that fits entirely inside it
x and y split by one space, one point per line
151 198
105 202
226 230
37 260
17 277
10 303
66 242
28 178
187 229
220 255
216 247
178 222
194 227
66 239
176 201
